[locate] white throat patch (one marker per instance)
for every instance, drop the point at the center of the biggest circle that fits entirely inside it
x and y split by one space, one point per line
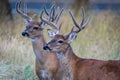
34 40
60 55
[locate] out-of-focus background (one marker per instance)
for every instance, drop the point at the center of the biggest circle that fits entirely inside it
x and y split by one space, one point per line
100 40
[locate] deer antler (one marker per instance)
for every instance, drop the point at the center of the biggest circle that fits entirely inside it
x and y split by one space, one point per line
22 13
51 13
54 16
82 25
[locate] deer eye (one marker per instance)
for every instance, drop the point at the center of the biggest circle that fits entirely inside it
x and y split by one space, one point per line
60 41
36 28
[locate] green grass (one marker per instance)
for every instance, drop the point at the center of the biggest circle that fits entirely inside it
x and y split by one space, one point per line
100 40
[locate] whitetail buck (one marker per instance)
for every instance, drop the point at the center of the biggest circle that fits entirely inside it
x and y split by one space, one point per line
80 68
46 65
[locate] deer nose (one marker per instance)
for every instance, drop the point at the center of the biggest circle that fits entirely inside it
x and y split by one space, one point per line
45 47
25 34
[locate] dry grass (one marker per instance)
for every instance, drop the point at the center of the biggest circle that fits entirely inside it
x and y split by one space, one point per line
100 40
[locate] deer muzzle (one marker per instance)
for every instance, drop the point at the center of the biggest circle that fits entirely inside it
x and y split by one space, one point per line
46 47
25 34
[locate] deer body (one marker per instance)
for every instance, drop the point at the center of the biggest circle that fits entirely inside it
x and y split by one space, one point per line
46 65
77 68
89 69
83 69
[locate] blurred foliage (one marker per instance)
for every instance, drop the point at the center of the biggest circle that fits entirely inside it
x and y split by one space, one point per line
5 10
80 3
28 71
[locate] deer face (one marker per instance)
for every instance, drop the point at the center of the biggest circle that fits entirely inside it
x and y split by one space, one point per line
33 30
59 43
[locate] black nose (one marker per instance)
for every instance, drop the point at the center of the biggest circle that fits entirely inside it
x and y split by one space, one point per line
25 34
45 47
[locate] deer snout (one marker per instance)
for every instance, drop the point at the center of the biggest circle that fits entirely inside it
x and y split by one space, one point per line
25 34
46 47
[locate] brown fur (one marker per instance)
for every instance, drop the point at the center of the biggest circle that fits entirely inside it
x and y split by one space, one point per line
83 69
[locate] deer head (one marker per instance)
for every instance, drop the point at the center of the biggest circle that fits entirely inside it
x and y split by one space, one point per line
59 43
34 28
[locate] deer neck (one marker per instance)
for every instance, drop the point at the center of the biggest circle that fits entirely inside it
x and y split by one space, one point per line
69 54
37 44
68 61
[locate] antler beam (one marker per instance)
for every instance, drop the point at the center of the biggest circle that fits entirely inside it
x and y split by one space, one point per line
82 25
54 16
23 14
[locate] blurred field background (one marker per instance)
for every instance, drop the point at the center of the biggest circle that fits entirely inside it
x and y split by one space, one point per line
100 40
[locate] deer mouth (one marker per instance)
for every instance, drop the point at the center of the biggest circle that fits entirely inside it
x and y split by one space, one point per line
45 47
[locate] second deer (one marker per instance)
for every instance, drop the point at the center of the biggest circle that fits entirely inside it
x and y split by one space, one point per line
77 68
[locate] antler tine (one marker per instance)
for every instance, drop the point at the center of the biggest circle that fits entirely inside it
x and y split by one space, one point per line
82 24
74 21
23 7
86 23
21 13
47 21
52 13
53 17
58 31
83 17
58 16
46 11
18 7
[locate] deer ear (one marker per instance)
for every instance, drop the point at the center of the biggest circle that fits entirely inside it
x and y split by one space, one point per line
51 33
71 36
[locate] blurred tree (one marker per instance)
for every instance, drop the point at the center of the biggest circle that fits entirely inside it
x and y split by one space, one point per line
5 10
80 3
